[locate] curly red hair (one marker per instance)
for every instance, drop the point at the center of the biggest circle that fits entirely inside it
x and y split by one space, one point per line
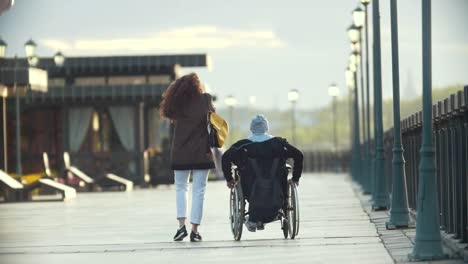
179 94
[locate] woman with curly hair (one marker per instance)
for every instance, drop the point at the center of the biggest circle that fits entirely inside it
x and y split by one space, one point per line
185 104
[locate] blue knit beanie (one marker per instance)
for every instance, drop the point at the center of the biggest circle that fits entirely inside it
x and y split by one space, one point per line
259 125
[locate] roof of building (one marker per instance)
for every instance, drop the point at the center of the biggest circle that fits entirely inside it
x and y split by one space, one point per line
113 65
107 66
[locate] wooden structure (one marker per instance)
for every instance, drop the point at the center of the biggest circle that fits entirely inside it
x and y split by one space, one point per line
103 111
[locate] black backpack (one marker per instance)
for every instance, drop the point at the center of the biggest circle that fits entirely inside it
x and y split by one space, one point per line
266 197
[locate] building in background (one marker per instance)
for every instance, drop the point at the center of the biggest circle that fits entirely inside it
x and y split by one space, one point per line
103 111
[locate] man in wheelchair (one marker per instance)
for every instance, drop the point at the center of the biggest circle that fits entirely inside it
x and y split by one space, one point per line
262 172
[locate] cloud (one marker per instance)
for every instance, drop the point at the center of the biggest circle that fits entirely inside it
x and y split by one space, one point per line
204 37
57 44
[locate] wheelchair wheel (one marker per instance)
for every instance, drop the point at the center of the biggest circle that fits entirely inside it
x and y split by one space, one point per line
237 211
293 210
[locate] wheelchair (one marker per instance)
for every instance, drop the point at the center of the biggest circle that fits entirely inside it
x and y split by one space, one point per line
288 216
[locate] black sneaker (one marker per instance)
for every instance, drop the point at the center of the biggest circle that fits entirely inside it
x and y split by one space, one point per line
181 233
195 237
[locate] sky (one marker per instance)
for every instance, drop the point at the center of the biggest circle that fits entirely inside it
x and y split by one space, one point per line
259 48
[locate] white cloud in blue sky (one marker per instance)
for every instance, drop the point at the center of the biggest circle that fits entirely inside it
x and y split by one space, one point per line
185 39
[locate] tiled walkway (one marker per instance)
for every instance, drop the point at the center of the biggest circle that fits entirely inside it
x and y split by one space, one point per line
138 227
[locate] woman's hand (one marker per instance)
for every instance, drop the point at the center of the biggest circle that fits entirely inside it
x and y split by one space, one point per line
231 184
295 182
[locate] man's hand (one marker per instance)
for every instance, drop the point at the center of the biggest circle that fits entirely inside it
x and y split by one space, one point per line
231 184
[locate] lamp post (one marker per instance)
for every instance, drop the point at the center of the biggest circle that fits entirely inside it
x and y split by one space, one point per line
334 92
353 62
5 147
30 48
368 181
354 36
356 157
230 101
359 17
379 194
3 47
349 77
18 122
293 96
428 241
399 213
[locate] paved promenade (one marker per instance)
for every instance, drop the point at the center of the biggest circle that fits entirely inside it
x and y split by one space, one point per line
137 227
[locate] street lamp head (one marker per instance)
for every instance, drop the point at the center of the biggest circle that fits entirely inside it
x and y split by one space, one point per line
293 95
30 47
356 47
365 2
359 17
333 90
354 34
95 122
3 47
5 92
230 101
252 99
33 60
349 78
59 59
354 58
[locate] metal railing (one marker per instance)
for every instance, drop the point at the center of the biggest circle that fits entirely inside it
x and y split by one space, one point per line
450 136
326 161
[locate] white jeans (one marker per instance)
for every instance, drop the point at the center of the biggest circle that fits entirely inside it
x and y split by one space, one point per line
199 178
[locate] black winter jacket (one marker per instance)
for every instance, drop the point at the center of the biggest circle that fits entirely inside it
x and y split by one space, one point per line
274 147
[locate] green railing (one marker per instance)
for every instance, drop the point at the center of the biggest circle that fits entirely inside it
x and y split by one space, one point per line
450 134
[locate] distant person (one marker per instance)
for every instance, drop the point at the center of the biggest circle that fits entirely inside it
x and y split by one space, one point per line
187 106
265 147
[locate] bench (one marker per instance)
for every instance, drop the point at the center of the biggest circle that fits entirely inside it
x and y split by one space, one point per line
14 191
78 173
113 180
126 184
67 192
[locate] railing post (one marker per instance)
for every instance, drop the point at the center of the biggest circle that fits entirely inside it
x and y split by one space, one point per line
454 165
356 147
428 245
443 164
399 213
438 157
461 168
449 171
